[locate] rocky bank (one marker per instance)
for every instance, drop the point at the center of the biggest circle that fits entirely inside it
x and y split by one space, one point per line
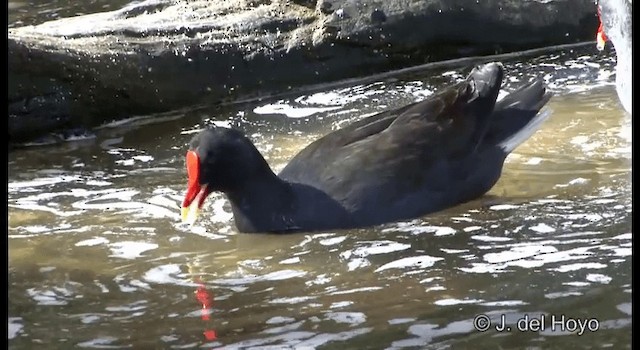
159 55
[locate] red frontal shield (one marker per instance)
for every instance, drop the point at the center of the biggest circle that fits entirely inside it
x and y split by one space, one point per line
193 173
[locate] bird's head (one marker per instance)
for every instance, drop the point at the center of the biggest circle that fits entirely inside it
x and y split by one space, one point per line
218 159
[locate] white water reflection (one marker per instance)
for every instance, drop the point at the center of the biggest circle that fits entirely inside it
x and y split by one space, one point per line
15 327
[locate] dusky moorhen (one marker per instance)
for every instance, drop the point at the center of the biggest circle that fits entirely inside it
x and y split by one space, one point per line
396 165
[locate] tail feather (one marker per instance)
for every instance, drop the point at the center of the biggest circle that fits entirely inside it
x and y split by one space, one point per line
522 135
518 116
531 96
486 81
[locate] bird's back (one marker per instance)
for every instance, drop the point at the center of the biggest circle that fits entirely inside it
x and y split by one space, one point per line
409 161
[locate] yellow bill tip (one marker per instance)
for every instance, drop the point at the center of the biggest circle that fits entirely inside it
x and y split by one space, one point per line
184 213
600 42
189 214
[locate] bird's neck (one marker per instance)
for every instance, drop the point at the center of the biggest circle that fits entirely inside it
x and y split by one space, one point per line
262 204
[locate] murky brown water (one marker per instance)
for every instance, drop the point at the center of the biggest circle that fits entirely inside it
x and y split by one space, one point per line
99 259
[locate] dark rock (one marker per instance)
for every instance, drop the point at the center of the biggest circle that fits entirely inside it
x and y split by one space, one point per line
324 6
159 55
306 3
378 16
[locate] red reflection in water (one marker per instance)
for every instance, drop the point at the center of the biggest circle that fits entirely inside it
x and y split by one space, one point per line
205 298
210 334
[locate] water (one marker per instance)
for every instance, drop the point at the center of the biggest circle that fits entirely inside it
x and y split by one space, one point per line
98 257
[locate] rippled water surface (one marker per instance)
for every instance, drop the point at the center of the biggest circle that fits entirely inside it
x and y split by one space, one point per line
99 259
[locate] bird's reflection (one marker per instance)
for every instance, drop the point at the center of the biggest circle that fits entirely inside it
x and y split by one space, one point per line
205 298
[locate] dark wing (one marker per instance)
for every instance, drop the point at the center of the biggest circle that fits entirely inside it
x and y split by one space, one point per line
396 152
